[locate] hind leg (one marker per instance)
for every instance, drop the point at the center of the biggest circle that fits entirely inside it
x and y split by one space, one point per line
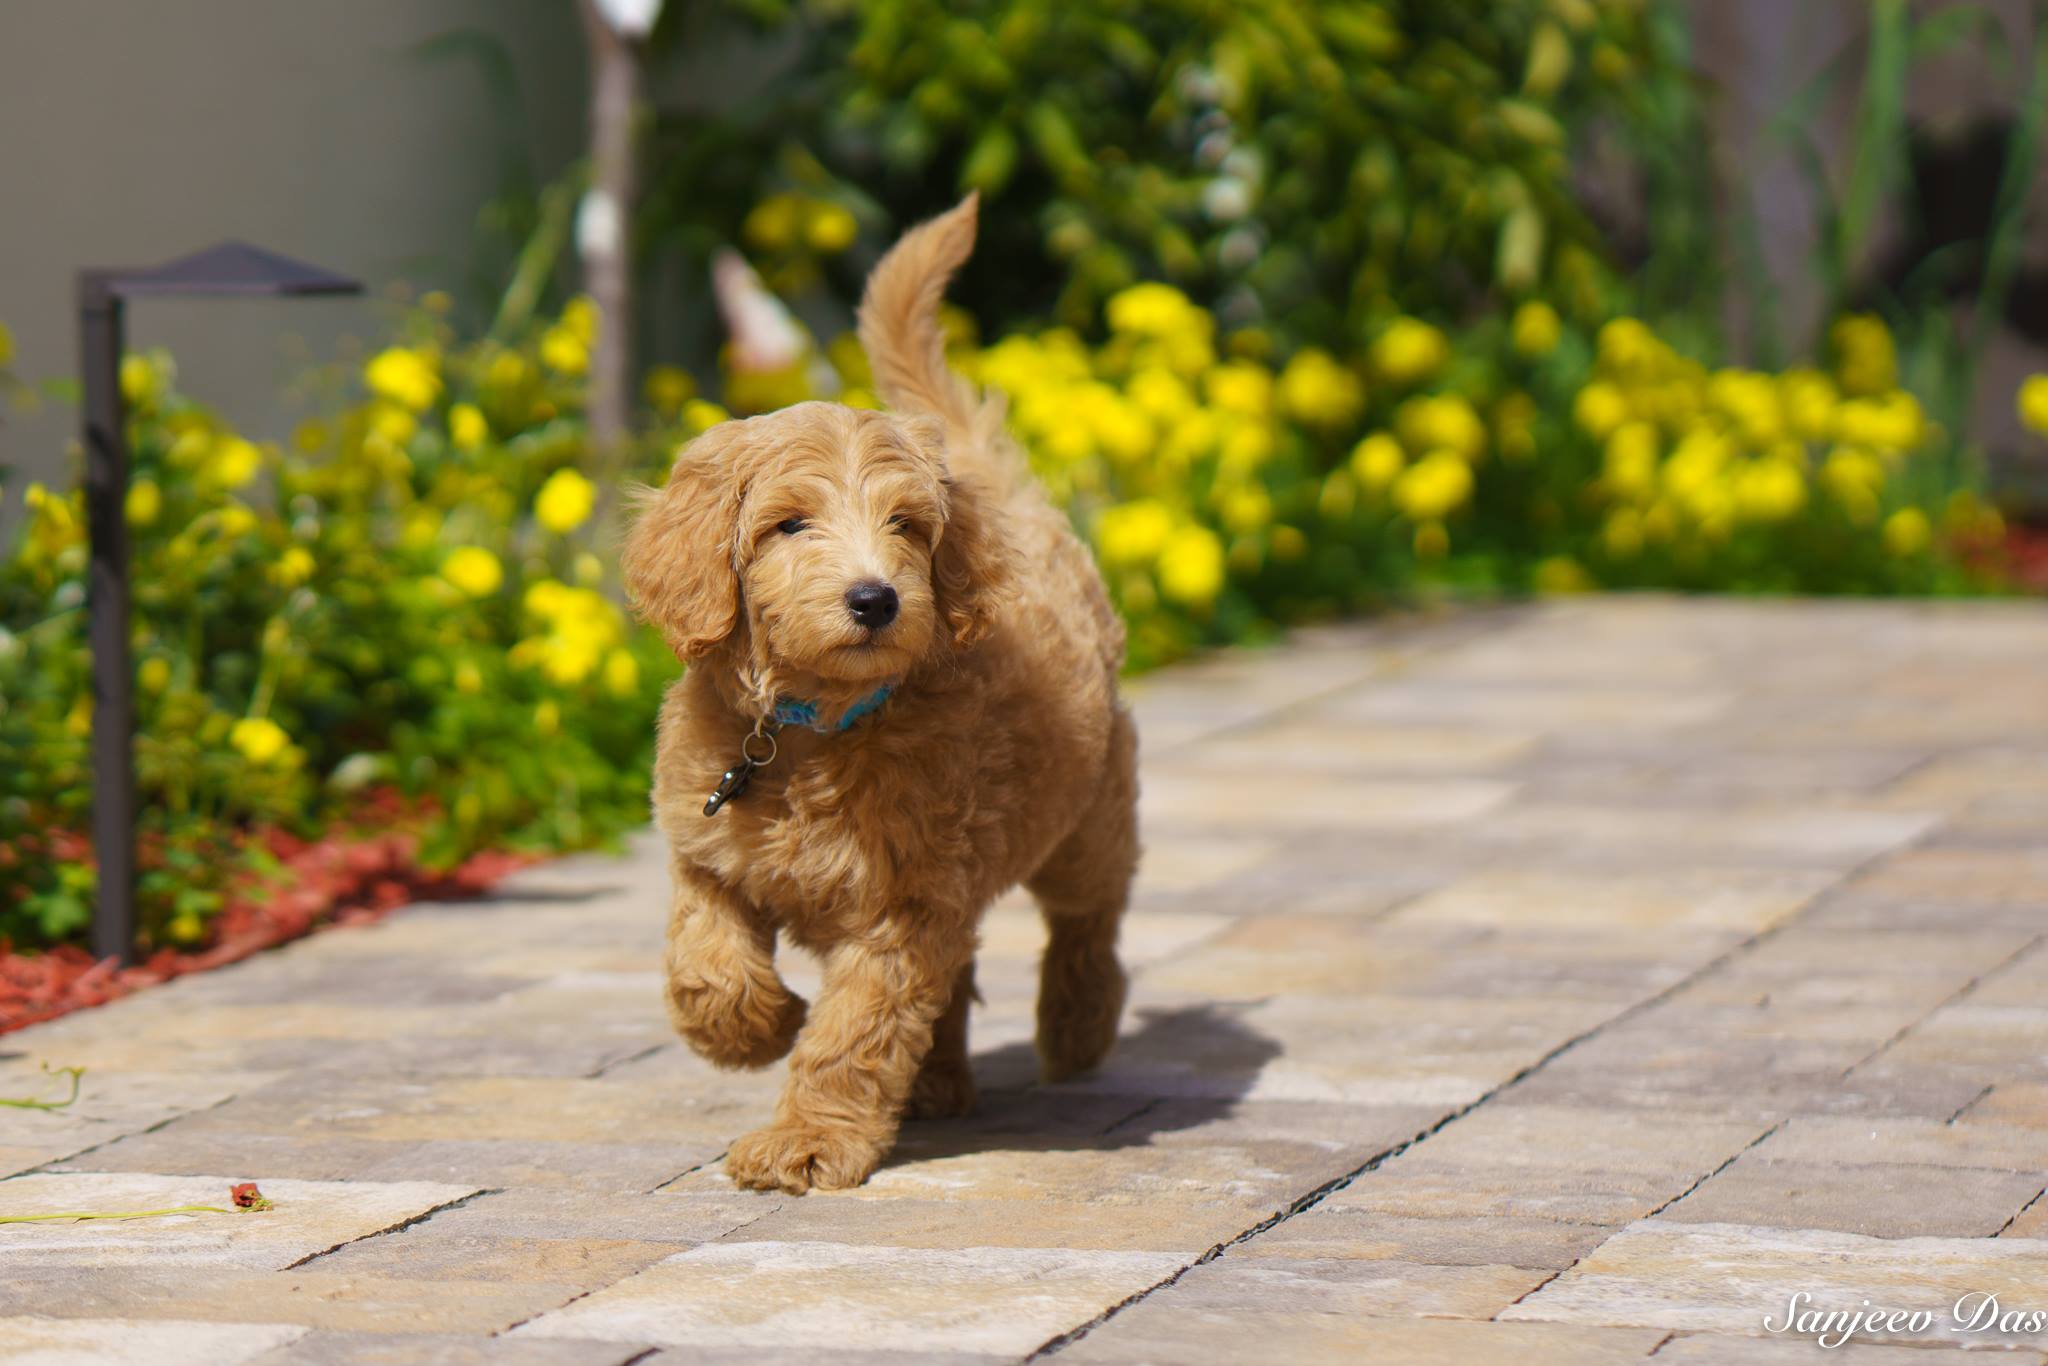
944 1088
1082 888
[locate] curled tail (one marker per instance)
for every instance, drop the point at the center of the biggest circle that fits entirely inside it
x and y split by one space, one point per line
899 320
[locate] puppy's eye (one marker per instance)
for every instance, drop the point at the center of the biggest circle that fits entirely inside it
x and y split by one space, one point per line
900 522
790 526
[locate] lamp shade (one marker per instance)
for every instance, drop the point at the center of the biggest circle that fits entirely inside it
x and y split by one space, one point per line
233 268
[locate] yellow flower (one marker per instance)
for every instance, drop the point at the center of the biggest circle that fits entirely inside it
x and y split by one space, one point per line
1628 347
142 380
1133 533
1441 421
292 568
145 502
1191 566
1153 310
1160 394
1599 409
1629 469
234 462
1770 490
1245 508
2033 404
772 224
467 427
829 229
1377 460
579 319
702 414
1892 422
1433 486
547 717
1409 350
621 673
154 675
474 570
1316 389
1535 329
1907 532
468 678
668 388
393 425
1750 400
404 376
564 501
562 351
1808 398
1865 361
1241 387
1562 574
260 740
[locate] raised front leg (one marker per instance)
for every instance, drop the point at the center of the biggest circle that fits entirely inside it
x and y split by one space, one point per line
851 1071
724 995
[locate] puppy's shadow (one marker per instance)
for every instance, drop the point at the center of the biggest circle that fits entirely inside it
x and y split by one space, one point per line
1181 1068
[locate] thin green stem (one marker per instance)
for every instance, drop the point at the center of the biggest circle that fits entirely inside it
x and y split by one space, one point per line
20 1103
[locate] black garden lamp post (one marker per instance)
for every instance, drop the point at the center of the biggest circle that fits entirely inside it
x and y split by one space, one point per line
231 268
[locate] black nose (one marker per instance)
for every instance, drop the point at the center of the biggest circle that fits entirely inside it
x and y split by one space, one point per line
873 604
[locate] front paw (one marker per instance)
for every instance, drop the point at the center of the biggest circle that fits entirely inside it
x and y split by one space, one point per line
749 1029
799 1157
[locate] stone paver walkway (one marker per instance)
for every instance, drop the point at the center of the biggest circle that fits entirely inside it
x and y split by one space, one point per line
1574 983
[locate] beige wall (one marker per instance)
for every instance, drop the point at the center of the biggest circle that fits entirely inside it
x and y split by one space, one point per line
132 131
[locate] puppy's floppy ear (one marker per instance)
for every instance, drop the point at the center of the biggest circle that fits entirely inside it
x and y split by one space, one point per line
679 558
973 565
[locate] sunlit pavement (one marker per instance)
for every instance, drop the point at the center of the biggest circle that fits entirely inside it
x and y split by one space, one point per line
1564 983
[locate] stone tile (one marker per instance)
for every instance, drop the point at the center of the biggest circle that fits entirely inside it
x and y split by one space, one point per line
422 1349
309 1217
1722 1349
1892 1142
1738 899
2018 1104
1339 1232
1007 1300
1728 1278
1882 1201
1418 1188
1159 1330
1505 1135
1234 800
1382 1287
109 1105
309 1297
1185 1228
118 1342
434 1252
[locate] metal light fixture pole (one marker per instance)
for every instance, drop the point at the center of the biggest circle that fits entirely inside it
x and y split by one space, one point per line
232 268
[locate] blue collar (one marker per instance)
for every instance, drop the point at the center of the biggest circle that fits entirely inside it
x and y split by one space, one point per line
791 711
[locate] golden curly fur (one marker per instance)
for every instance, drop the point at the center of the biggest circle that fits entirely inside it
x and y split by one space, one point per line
1003 755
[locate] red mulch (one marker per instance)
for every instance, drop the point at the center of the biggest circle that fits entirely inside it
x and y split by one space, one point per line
340 880
2026 556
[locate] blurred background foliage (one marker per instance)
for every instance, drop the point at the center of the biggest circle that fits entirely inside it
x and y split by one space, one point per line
1301 309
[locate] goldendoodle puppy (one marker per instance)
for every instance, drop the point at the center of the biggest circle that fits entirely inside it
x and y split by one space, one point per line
901 702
